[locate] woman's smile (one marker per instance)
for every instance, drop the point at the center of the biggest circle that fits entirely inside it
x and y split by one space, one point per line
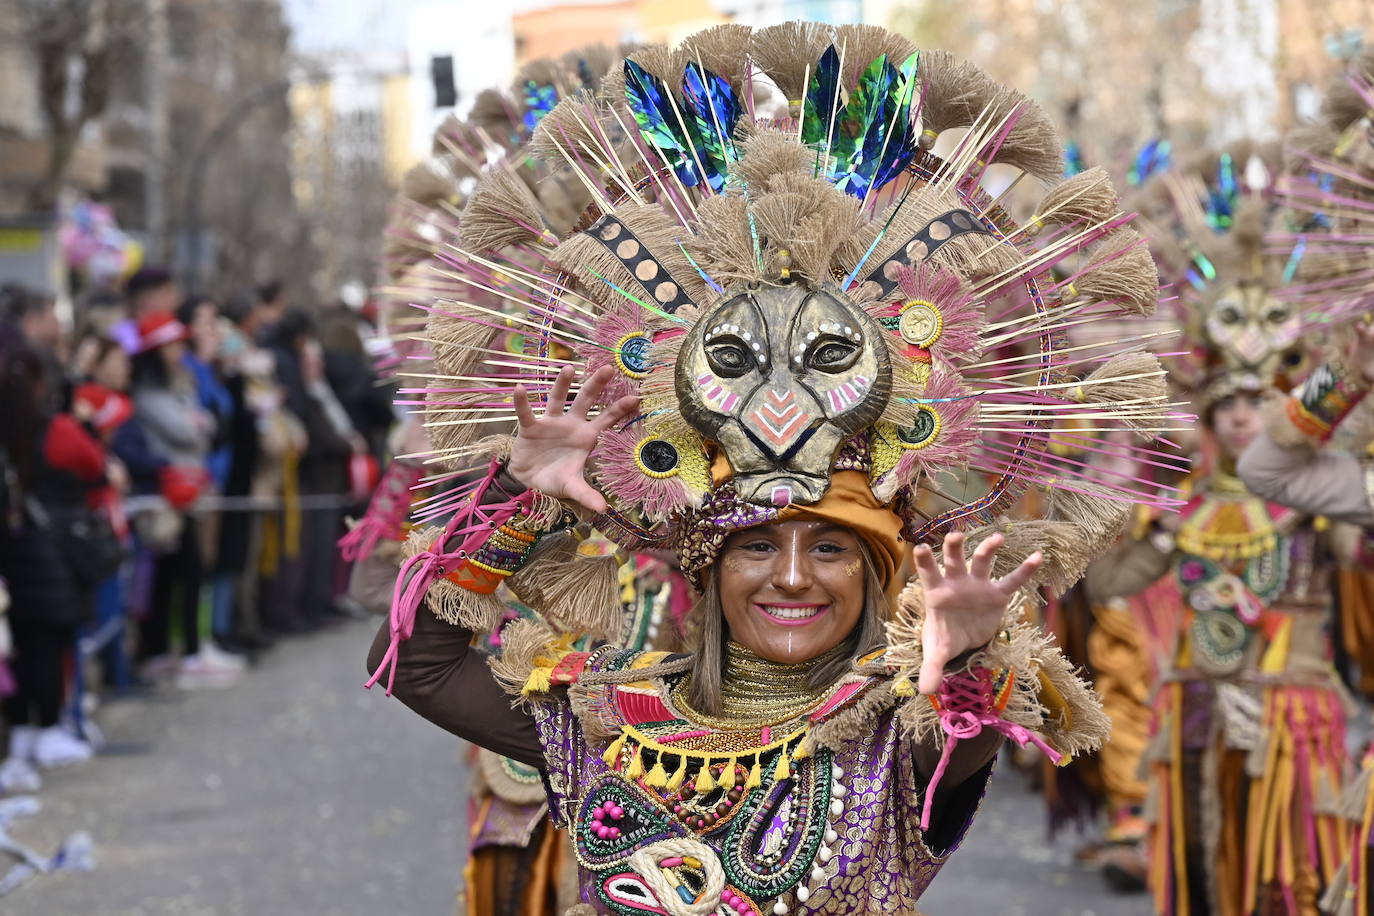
791 614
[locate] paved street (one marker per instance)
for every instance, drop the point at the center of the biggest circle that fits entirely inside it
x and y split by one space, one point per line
299 793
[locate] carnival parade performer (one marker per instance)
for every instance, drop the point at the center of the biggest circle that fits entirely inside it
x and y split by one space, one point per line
780 307
1313 451
1248 757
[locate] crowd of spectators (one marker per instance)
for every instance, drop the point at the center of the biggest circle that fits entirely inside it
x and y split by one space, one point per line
174 474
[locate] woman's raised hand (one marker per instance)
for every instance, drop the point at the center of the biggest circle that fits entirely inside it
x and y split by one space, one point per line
964 604
550 452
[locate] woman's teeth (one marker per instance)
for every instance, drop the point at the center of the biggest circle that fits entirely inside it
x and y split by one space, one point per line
793 613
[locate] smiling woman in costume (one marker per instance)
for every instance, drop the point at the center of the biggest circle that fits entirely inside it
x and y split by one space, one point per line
782 309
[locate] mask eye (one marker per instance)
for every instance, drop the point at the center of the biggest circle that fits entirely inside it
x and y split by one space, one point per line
832 354
1276 315
729 357
1228 313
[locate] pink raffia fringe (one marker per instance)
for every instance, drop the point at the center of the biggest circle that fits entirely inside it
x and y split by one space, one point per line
471 526
965 709
386 513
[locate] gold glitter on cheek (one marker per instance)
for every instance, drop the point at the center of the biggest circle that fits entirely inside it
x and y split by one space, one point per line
733 562
851 569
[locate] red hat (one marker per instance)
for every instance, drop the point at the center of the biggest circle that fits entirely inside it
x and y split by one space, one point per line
181 485
158 329
102 408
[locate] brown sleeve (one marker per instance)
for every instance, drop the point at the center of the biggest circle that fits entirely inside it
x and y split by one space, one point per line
1127 569
441 678
1328 482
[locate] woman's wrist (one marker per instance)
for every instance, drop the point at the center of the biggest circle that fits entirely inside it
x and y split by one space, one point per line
507 482
1317 406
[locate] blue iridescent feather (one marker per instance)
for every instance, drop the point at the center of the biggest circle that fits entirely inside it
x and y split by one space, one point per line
712 111
1074 163
539 101
687 136
822 98
872 140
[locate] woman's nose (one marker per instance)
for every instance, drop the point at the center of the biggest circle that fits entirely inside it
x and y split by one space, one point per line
792 571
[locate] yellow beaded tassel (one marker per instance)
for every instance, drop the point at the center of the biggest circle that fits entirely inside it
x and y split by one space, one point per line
675 781
727 776
612 754
783 770
755 778
658 777
636 767
537 682
704 781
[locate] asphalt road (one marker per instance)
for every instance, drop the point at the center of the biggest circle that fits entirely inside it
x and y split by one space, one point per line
299 793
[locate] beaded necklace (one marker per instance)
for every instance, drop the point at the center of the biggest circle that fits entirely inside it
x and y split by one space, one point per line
756 692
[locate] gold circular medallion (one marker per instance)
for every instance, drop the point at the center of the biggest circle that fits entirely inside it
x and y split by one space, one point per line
921 323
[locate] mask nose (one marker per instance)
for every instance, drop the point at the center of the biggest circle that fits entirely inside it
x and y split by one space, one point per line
778 418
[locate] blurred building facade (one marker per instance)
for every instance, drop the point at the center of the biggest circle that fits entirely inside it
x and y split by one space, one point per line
1194 71
351 144
197 129
175 114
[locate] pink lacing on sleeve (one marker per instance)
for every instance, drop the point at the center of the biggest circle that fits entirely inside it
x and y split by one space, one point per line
965 706
472 525
386 512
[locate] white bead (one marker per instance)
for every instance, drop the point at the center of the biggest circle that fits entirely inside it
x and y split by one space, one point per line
779 909
830 835
825 854
836 807
838 790
817 874
803 894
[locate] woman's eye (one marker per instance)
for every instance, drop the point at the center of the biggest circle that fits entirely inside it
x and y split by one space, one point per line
757 546
830 548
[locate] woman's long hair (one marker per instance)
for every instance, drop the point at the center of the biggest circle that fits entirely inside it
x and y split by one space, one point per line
712 635
22 420
150 370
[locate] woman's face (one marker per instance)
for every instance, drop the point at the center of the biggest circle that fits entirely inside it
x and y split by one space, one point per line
1236 421
792 590
172 355
112 371
205 329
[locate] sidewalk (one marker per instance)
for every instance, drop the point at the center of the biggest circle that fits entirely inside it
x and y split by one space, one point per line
295 792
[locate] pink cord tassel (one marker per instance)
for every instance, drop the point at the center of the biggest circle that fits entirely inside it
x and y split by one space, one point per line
964 712
385 515
474 524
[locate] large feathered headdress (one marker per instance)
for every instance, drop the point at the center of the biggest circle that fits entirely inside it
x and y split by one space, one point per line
1207 219
1329 192
777 262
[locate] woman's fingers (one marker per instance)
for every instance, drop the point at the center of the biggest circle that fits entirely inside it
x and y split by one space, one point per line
614 414
590 392
1018 577
523 412
954 555
585 494
924 559
558 394
984 555
934 658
